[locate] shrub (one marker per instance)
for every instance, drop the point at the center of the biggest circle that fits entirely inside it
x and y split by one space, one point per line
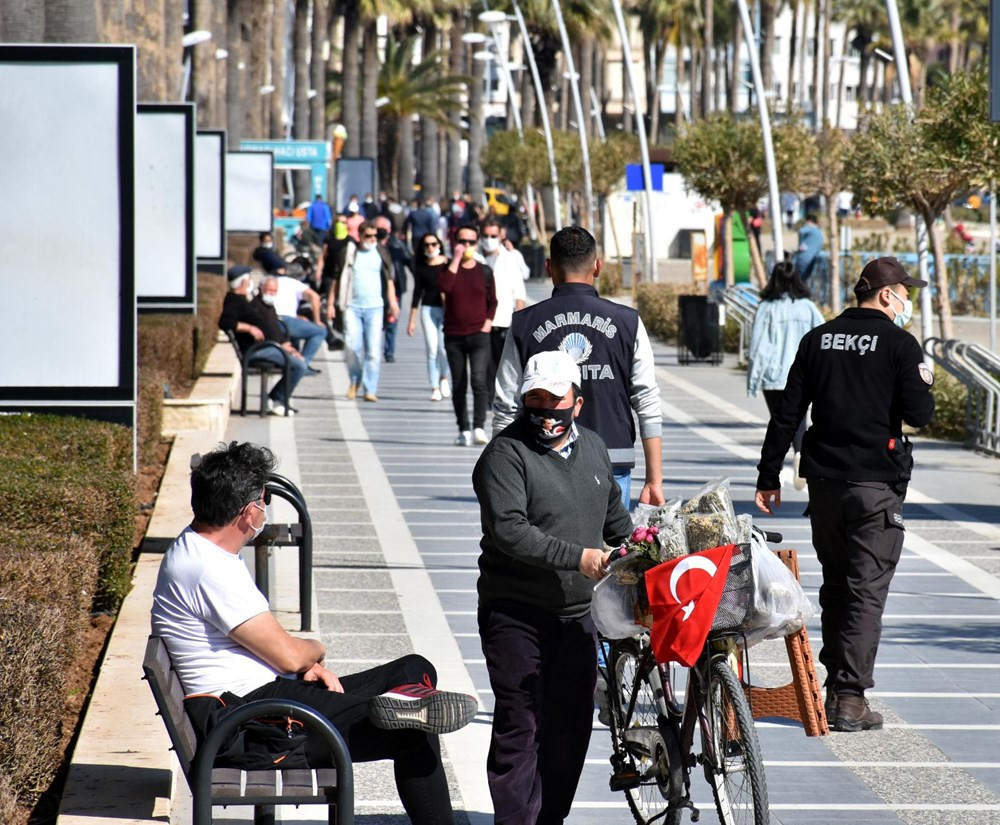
609 283
74 476
950 402
47 584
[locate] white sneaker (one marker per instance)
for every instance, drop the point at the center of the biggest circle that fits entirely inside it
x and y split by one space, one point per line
436 395
274 408
798 482
479 436
445 388
464 439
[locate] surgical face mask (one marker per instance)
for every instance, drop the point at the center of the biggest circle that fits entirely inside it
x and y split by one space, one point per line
267 244
491 245
258 530
901 319
267 298
548 424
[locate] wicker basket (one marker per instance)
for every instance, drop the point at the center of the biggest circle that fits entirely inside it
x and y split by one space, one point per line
736 607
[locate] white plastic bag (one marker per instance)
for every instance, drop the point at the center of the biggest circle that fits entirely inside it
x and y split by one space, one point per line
780 605
613 609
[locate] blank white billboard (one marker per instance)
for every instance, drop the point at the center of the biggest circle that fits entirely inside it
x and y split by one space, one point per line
209 196
67 245
249 191
164 207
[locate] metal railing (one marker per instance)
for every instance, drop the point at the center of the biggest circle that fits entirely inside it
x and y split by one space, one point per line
741 301
979 369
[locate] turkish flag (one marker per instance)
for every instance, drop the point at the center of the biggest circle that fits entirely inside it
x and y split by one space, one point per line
683 597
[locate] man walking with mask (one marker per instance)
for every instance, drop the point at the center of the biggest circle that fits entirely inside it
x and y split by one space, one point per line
549 504
864 377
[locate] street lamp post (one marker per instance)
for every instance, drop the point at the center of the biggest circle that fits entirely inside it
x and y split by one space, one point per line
543 114
903 71
765 130
640 128
581 125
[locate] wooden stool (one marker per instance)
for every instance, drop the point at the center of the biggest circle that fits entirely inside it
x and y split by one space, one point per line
802 699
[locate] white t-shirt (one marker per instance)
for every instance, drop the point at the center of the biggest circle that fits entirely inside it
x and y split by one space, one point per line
508 278
202 592
290 292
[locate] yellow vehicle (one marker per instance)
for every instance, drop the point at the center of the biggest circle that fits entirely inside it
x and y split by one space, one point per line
496 200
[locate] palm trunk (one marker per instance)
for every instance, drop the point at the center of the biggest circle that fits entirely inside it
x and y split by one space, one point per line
817 70
476 131
767 44
235 79
679 104
22 23
317 69
404 169
277 98
864 87
76 22
727 239
942 299
369 92
734 82
756 259
203 62
429 180
707 62
453 178
300 117
825 60
351 77
793 45
654 97
833 235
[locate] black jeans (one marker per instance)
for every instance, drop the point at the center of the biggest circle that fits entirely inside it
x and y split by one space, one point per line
468 359
543 669
497 337
416 756
857 530
773 399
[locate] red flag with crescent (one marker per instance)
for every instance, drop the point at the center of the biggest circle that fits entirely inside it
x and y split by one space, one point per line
683 596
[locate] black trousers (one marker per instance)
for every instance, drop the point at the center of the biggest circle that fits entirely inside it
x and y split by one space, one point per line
857 530
773 399
543 669
468 359
416 756
497 337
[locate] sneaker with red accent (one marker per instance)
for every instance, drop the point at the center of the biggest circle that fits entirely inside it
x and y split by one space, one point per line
422 707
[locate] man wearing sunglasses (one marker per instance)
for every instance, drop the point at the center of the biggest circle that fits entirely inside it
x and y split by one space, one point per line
222 637
365 290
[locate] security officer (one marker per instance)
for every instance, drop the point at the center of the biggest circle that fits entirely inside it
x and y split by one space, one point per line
609 343
864 377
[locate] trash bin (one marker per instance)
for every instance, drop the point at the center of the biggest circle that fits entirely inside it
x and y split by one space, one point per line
699 336
534 257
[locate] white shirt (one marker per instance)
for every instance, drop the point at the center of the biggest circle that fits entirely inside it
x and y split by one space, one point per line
290 292
202 593
508 279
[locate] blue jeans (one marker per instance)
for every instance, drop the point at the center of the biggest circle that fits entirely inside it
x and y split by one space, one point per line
623 475
432 323
296 369
363 333
390 339
311 336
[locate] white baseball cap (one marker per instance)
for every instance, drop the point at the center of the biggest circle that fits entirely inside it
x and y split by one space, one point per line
554 371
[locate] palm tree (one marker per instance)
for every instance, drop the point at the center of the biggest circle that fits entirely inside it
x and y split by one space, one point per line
317 70
300 114
350 92
412 89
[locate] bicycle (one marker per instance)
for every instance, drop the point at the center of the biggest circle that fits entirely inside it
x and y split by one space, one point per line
653 733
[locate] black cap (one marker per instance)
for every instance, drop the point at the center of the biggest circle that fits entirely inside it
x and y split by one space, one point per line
884 272
236 272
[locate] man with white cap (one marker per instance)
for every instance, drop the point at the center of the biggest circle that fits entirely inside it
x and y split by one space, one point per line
549 504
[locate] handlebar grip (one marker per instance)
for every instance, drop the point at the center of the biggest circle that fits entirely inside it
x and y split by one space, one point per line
773 538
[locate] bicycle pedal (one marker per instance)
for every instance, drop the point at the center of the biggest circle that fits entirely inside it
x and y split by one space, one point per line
624 781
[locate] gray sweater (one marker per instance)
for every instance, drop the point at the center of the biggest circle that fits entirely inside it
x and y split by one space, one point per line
539 511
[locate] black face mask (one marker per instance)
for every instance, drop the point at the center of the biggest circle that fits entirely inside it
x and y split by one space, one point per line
547 424
381 234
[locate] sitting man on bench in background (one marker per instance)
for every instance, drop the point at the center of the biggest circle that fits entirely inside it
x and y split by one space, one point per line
221 637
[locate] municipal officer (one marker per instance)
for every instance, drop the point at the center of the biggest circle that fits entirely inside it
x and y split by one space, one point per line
864 377
608 342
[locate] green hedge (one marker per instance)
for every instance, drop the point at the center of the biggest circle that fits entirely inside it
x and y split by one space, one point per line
74 477
657 305
950 401
47 584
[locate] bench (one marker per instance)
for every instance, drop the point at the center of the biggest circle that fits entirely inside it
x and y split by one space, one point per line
265 369
211 786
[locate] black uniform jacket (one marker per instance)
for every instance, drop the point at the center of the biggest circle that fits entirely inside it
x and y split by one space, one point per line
864 377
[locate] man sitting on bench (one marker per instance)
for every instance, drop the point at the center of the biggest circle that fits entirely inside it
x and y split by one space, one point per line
221 637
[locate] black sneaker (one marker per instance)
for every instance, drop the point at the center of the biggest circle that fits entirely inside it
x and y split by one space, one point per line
853 714
830 706
422 707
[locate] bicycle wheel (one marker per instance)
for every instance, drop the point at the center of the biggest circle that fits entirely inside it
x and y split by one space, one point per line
647 756
733 764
